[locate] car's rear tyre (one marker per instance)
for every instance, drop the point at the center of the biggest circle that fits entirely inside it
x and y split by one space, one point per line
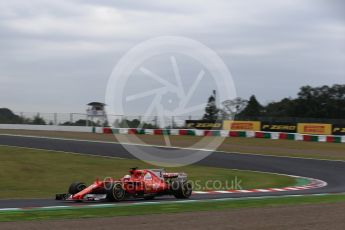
181 189
116 193
76 187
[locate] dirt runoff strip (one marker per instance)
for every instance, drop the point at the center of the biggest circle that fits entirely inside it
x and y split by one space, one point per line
315 217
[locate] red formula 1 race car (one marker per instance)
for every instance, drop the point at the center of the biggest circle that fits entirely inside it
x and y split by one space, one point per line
144 183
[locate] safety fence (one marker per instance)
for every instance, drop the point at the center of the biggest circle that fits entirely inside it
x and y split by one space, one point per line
83 119
334 127
227 133
181 132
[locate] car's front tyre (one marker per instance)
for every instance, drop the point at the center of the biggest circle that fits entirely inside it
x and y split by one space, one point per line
116 193
76 187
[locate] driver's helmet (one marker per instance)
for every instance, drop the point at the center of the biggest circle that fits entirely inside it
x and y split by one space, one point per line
127 177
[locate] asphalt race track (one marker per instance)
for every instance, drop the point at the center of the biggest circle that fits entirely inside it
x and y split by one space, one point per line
332 172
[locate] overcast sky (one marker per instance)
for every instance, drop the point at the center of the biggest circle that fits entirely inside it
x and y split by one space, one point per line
56 56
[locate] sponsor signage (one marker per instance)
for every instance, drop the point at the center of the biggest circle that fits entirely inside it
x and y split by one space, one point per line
242 125
279 127
312 128
200 124
338 130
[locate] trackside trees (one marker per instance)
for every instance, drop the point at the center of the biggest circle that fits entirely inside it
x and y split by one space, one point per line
211 110
253 108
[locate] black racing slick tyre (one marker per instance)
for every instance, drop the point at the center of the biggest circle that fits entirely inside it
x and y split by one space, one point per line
182 189
116 193
76 187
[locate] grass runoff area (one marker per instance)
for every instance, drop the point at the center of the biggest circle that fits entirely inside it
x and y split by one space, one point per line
290 148
30 173
157 208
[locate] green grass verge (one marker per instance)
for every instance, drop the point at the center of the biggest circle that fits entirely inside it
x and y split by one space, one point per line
145 208
29 173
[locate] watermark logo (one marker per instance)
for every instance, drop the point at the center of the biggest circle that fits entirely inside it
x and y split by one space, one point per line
195 185
169 97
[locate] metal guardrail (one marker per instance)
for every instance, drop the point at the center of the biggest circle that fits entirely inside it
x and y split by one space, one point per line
118 121
52 118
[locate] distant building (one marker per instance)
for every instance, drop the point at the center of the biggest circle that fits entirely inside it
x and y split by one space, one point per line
96 113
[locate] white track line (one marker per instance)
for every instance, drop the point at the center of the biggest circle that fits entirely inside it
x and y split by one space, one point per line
200 192
163 202
319 183
170 147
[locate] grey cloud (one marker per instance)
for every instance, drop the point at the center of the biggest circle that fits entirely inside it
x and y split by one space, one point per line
67 49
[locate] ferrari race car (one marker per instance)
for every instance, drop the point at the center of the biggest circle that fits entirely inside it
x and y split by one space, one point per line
144 183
